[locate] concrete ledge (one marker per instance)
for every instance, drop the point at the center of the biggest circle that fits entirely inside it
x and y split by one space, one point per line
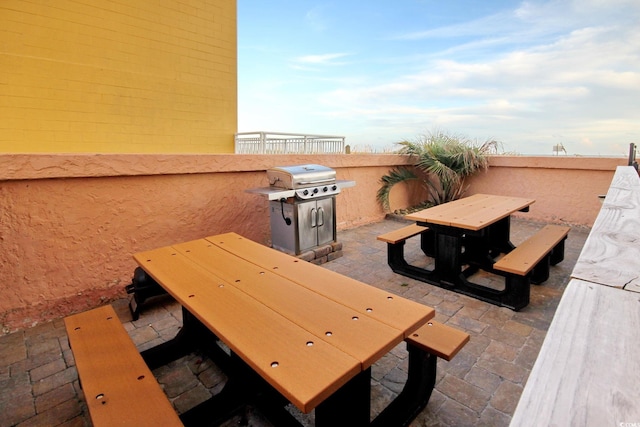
45 166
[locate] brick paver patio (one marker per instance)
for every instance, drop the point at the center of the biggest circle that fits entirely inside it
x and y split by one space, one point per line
480 387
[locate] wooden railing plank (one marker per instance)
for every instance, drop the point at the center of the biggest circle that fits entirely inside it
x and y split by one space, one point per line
611 254
586 373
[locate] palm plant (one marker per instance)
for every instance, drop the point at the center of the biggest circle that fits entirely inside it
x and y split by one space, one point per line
444 161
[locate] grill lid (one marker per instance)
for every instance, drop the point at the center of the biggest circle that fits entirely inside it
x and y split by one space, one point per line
301 176
303 182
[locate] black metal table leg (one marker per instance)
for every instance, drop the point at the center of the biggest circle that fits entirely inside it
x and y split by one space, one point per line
516 293
557 254
483 246
498 236
448 253
349 406
416 392
182 344
241 388
428 243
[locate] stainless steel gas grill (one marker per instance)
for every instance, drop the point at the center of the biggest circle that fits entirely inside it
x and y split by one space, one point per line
302 206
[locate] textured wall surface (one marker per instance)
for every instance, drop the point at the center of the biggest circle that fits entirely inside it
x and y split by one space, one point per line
69 224
566 189
99 76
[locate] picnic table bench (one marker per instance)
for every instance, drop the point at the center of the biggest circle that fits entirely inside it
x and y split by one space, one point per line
396 240
535 255
118 386
402 234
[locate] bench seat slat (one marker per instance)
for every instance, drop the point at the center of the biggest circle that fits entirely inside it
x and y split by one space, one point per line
403 233
525 257
439 339
118 386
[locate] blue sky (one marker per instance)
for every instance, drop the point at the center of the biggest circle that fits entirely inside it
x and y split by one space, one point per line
530 74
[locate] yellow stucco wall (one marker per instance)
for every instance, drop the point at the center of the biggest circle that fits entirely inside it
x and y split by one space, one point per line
96 76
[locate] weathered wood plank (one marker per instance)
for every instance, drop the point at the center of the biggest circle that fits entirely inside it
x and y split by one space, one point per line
587 373
611 254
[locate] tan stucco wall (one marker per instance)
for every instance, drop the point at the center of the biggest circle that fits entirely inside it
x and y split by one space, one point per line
97 76
566 188
69 224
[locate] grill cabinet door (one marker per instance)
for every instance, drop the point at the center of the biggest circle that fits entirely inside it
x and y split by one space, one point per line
307 225
325 220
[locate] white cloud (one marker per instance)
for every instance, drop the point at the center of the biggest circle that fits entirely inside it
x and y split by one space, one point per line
560 71
572 85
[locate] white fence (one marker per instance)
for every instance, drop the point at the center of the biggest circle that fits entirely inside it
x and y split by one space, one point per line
287 143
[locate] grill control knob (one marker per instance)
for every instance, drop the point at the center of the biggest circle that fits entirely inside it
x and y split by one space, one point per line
305 192
325 189
315 190
334 188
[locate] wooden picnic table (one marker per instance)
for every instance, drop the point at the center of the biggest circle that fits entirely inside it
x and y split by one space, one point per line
465 236
293 331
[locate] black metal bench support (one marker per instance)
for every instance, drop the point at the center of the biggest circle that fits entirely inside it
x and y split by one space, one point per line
447 249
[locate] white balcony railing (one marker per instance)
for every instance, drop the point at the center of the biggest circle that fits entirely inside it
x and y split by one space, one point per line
287 143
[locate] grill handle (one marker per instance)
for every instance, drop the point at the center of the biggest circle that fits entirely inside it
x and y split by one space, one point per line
314 218
319 181
286 220
320 217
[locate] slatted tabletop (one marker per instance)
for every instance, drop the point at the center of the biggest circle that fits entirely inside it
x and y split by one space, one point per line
472 213
304 329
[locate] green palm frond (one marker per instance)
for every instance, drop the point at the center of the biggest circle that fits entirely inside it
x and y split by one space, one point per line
397 175
448 159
